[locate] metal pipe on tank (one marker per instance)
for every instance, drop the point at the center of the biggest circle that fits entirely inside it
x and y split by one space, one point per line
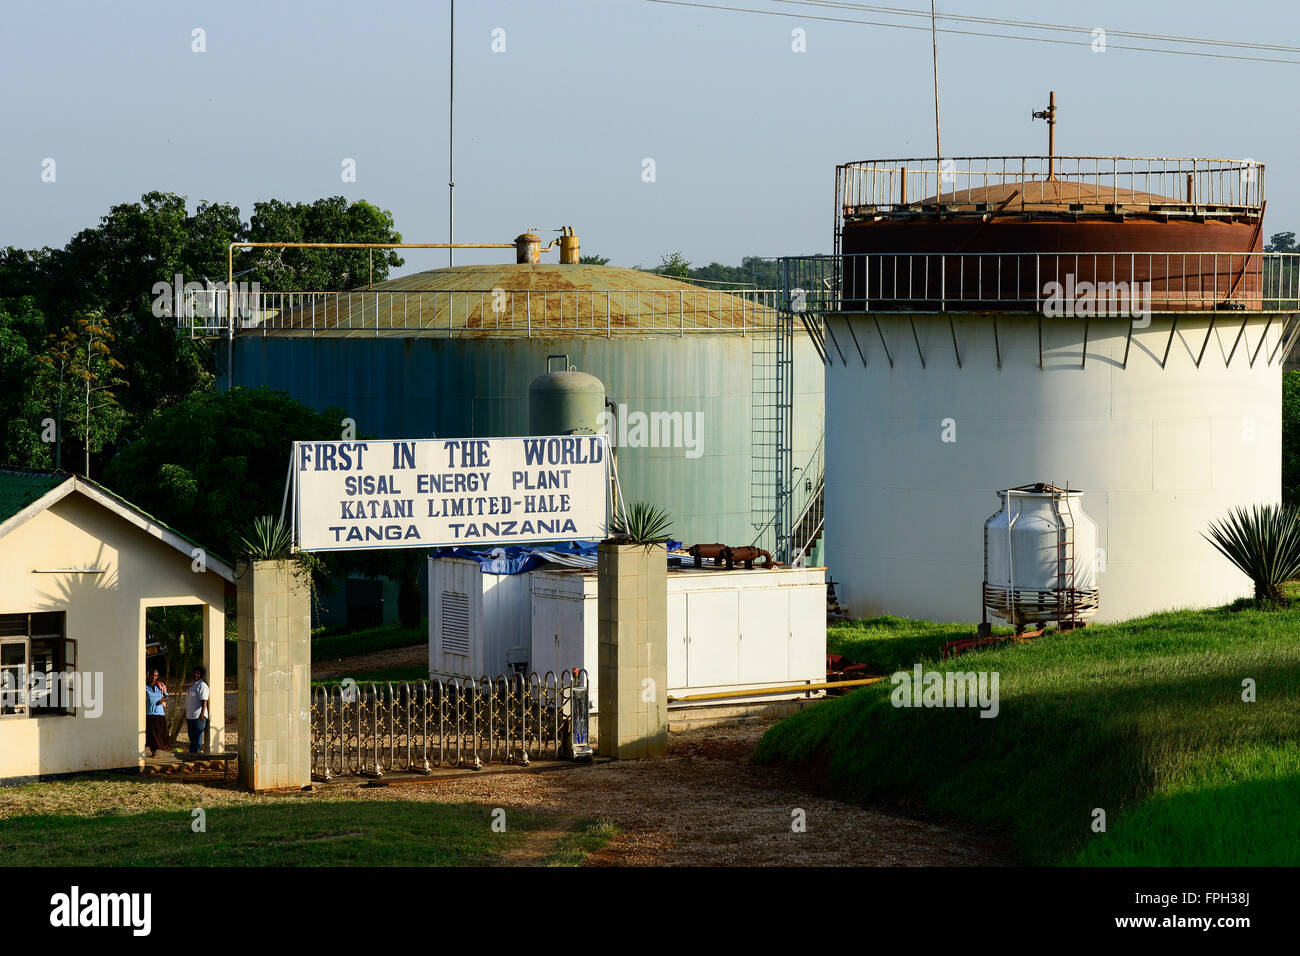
569 253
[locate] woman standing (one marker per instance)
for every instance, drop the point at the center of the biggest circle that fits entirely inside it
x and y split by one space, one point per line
155 719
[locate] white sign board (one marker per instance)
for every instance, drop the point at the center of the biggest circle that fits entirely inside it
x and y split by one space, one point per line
360 495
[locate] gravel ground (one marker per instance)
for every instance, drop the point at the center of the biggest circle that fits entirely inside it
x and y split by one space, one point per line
702 805
705 805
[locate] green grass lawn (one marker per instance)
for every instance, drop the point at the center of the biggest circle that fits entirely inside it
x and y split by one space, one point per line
888 644
293 831
1144 719
334 646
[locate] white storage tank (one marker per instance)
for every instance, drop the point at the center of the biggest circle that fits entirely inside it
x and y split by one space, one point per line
1040 557
951 371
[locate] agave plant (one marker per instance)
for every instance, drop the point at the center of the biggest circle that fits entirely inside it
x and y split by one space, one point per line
270 541
640 523
1264 542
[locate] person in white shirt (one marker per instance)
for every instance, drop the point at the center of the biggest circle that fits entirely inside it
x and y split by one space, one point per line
196 710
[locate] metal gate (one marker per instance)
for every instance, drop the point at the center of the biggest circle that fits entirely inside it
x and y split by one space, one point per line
414 726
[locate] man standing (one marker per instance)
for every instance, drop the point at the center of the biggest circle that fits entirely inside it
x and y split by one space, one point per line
196 710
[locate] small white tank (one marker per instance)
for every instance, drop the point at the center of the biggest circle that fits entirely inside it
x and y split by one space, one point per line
1040 558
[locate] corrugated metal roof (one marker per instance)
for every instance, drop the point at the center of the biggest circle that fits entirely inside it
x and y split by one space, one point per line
539 277
509 299
20 487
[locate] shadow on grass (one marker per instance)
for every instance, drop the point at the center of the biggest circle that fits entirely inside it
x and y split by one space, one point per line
291 833
1076 731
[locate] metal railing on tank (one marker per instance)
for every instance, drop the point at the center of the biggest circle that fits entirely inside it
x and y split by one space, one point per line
414 726
1110 283
800 500
452 313
1169 185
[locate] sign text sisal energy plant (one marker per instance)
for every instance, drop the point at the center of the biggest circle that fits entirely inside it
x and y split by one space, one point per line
357 495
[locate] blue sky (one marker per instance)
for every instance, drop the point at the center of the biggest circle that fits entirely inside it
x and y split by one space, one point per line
744 132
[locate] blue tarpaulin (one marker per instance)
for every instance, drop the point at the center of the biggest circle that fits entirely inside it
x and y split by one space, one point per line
518 559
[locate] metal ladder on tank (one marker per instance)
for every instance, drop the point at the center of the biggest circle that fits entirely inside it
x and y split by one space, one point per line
1067 603
765 430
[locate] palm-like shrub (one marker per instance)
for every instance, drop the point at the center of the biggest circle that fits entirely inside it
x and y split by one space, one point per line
1264 542
640 523
271 540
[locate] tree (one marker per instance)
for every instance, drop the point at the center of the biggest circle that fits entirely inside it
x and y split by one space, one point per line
79 373
1282 242
214 461
676 265
113 268
319 270
23 427
593 260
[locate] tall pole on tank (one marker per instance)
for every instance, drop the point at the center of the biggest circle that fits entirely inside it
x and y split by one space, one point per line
938 161
1049 114
451 137
1051 134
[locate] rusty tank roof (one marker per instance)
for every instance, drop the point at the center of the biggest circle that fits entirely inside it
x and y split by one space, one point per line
1050 195
539 277
1052 187
523 299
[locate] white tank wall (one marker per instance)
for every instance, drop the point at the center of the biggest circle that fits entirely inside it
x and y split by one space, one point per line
1158 453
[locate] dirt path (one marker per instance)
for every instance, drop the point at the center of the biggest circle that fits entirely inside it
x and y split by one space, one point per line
705 805
375 660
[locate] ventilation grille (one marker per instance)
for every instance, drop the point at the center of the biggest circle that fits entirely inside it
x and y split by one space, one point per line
455 623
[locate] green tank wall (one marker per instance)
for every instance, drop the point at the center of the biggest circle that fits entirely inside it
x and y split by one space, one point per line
478 388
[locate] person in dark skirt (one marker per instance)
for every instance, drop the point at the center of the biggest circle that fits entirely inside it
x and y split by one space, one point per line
155 716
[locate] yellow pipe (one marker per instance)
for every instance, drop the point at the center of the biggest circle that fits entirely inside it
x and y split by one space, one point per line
230 257
777 690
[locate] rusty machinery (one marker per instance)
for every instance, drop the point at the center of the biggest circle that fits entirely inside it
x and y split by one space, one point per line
723 555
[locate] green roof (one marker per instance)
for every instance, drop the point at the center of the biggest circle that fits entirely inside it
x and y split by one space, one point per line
19 487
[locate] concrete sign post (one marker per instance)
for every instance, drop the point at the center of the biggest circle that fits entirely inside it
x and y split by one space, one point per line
274 677
632 593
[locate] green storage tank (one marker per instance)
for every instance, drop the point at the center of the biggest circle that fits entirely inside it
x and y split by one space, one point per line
565 402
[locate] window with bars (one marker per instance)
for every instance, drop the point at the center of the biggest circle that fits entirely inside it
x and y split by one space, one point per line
37 659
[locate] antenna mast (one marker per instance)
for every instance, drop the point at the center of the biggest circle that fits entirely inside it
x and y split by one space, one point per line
938 154
1049 114
451 137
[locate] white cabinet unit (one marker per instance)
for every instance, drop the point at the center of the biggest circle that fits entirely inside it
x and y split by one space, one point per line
478 623
727 630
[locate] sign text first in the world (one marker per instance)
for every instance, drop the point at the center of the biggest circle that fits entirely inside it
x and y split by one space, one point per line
475 491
